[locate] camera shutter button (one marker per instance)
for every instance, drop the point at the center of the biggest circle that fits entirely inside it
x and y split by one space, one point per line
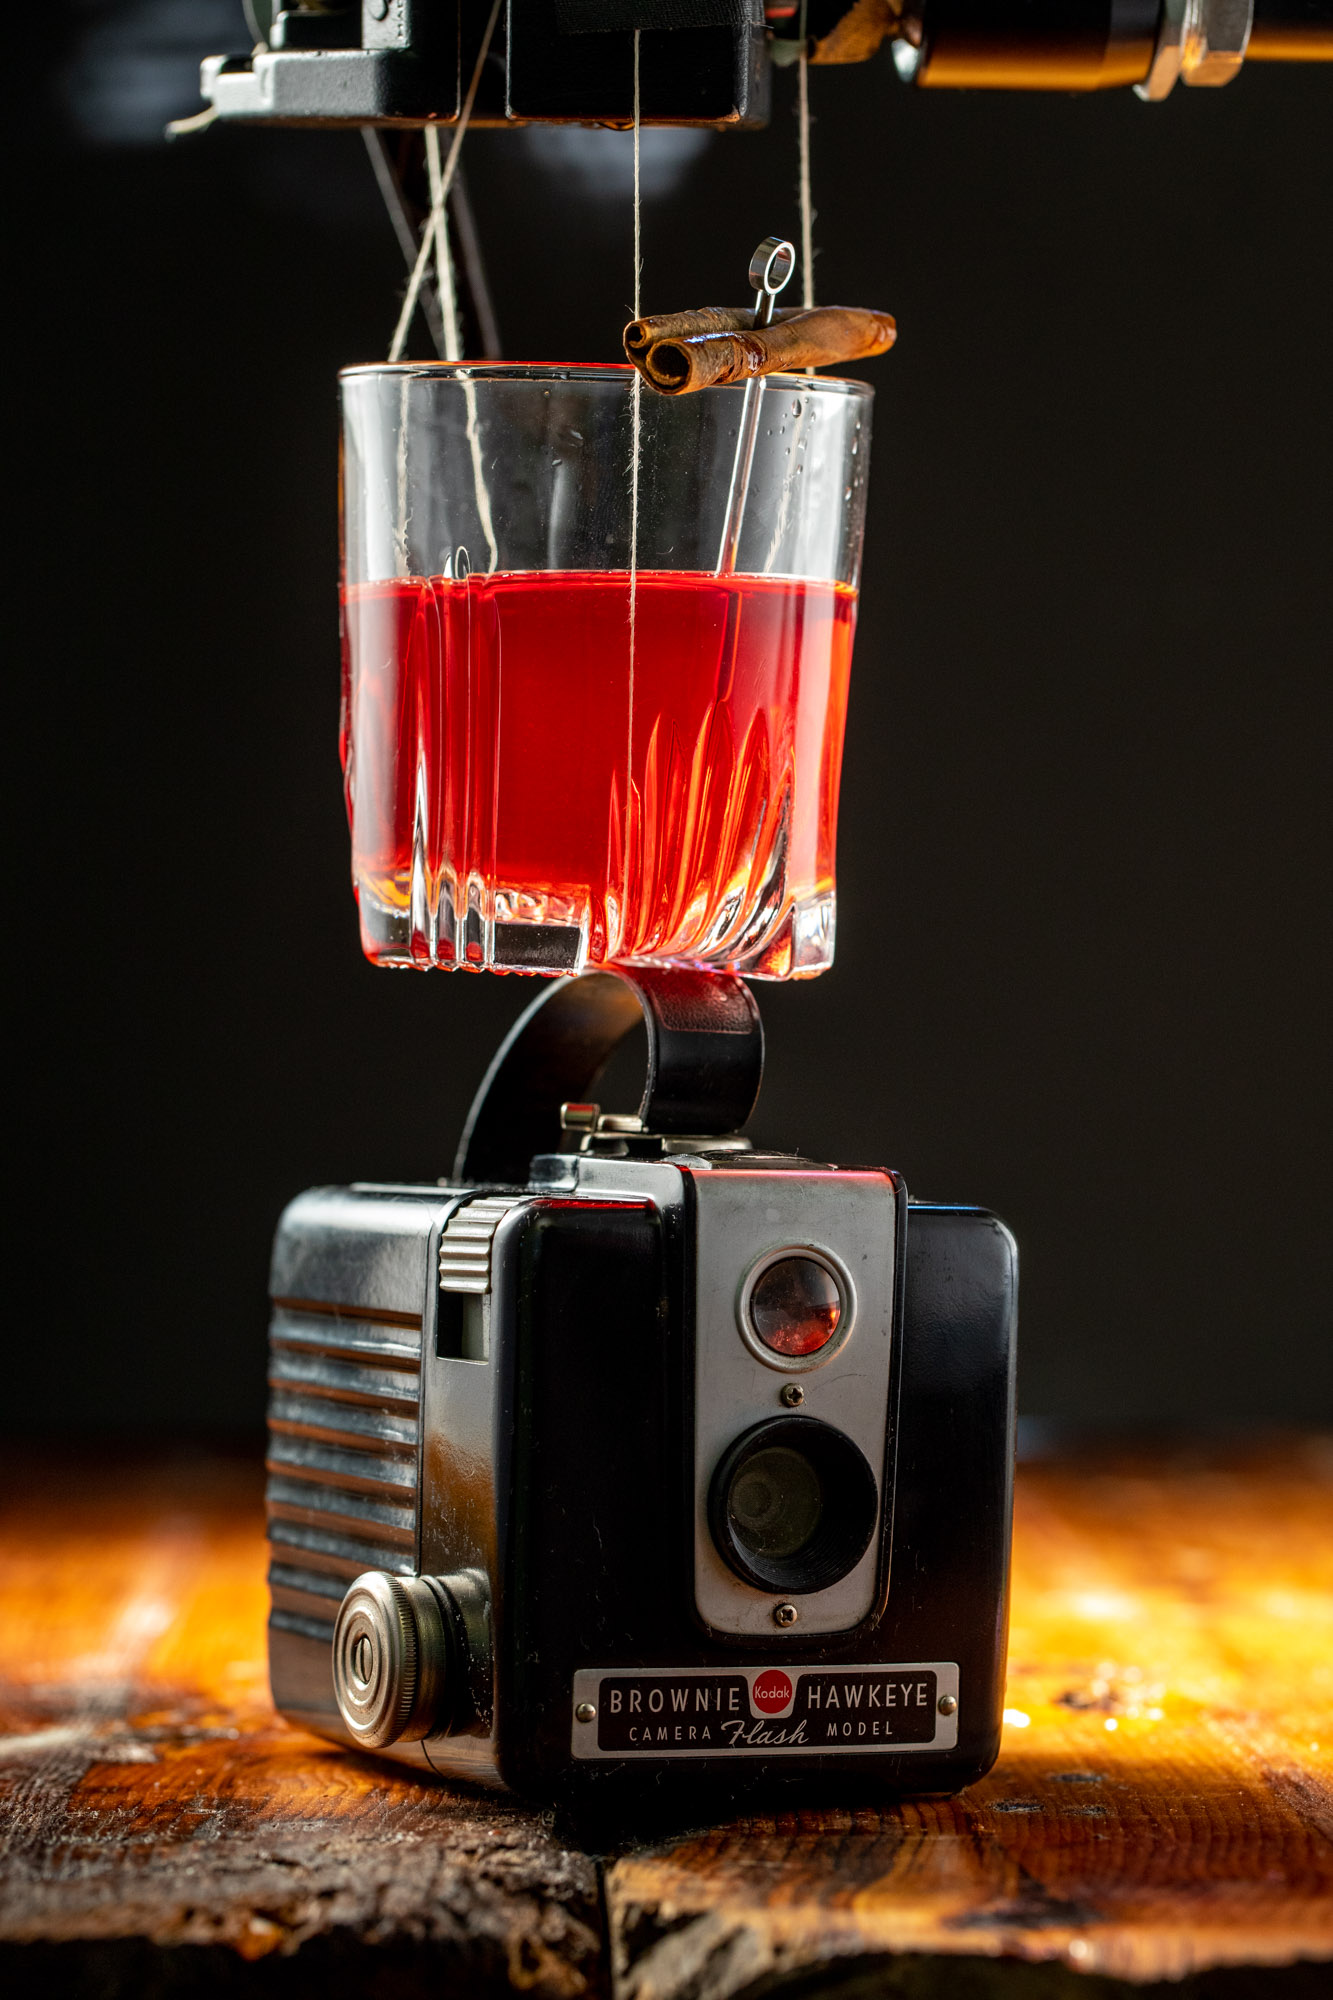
389 1659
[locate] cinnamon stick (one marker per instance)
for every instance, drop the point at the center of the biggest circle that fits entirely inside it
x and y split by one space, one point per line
641 334
678 353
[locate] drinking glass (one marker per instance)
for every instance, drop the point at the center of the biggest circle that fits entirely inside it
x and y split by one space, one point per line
596 646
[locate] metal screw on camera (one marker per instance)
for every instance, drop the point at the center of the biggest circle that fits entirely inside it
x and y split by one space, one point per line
947 1703
792 1395
585 1712
785 1614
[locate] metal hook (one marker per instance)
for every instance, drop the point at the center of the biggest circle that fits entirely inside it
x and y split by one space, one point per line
771 269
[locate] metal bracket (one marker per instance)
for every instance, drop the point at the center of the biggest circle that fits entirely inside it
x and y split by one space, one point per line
1198 42
705 1061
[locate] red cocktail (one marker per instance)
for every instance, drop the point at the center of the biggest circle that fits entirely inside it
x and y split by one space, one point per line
583 719
488 729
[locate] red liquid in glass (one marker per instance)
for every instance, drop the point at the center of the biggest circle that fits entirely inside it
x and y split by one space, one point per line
487 733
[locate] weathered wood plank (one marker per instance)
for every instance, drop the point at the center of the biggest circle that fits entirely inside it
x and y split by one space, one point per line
151 1797
1163 1807
1164 1801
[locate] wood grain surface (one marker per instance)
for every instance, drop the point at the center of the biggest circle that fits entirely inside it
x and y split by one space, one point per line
1162 1809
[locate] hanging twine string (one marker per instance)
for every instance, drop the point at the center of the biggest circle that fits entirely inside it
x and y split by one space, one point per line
451 340
638 202
434 229
807 211
636 422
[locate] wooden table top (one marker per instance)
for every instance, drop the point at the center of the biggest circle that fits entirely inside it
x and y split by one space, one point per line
1162 1808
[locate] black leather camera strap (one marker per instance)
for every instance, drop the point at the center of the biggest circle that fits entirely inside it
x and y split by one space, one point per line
705 1060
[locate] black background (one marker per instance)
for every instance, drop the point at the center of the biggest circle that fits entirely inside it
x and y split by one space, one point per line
1083 889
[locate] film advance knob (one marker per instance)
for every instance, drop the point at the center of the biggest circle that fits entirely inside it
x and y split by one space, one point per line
389 1659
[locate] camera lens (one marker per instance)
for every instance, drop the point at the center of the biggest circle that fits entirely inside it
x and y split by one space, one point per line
792 1505
775 1501
795 1306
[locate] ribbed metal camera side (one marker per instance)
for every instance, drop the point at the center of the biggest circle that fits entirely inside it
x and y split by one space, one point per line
345 1362
355 1373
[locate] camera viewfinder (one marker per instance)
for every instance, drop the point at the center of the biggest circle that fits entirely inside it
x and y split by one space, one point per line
795 1306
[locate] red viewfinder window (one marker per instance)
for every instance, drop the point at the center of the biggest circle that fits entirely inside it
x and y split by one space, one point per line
795 1306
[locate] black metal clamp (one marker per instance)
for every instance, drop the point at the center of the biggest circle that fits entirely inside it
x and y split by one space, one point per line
705 1062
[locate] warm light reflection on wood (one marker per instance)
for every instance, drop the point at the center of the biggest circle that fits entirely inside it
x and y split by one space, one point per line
1164 1800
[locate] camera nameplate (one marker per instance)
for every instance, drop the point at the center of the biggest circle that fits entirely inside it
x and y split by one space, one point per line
764 1711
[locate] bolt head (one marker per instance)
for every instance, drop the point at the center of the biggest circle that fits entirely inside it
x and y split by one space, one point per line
792 1394
585 1712
785 1614
947 1704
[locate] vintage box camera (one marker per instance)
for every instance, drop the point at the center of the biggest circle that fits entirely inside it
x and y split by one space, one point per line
636 1460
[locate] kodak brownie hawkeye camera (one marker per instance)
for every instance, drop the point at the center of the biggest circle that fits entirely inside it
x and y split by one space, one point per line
634 1460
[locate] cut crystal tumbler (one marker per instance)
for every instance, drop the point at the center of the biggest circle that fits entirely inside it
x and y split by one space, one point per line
591 713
